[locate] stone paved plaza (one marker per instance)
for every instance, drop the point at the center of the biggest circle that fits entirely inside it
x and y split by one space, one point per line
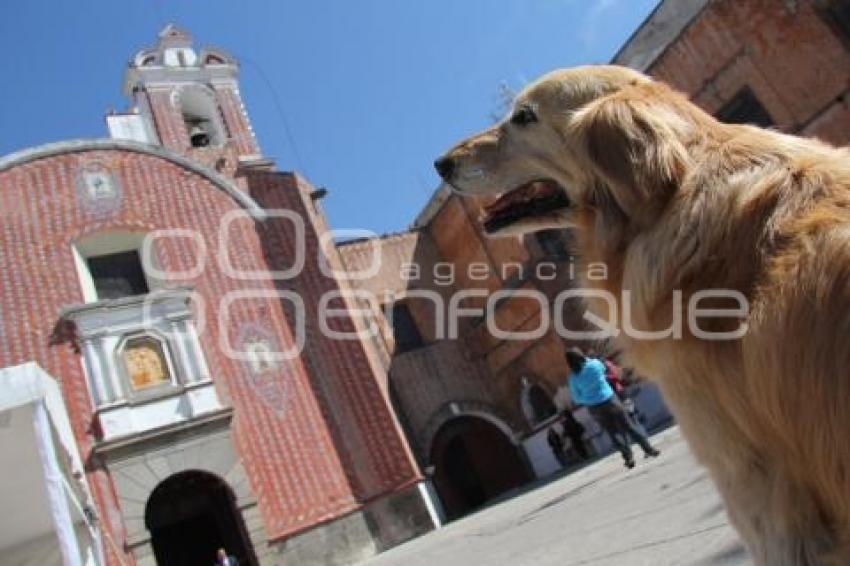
664 511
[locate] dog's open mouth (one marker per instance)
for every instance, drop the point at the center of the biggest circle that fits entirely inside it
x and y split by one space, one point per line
537 198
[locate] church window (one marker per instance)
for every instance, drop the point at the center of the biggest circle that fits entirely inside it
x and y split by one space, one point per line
541 404
110 265
118 275
405 331
536 403
745 108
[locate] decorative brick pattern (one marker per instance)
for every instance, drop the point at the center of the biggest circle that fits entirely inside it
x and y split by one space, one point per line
167 120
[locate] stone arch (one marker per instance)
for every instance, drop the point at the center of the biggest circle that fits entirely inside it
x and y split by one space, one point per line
469 407
216 56
190 515
472 461
137 470
146 57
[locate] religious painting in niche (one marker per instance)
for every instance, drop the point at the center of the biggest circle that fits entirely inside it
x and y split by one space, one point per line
144 359
98 192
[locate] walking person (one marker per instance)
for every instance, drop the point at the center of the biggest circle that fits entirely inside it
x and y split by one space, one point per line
588 386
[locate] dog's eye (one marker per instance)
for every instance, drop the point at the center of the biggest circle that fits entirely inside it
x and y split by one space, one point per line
523 116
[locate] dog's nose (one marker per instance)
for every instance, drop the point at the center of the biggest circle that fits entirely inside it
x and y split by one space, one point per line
445 166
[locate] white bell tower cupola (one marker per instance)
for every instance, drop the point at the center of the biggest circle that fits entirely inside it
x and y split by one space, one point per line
175 46
186 100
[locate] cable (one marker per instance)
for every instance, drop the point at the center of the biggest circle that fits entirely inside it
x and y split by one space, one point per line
281 113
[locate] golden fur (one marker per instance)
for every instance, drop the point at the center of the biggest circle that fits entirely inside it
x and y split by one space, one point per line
671 199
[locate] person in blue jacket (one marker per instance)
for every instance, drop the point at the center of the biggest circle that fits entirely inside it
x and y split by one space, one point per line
589 387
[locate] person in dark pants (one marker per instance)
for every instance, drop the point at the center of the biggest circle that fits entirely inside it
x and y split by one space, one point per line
589 387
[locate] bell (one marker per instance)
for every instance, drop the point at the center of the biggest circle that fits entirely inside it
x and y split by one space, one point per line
199 136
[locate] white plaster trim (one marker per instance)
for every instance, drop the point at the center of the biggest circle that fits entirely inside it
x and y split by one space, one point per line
431 503
55 488
84 275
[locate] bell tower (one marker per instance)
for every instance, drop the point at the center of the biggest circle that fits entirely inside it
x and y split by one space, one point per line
187 101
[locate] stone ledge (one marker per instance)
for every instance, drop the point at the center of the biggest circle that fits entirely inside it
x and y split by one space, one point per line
119 447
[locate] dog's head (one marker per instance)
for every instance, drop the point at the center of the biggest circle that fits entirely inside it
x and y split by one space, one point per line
603 137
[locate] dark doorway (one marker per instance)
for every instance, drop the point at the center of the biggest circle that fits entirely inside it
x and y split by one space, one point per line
474 462
190 516
541 404
406 333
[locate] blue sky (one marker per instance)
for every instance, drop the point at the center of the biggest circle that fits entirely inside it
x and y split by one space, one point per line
372 90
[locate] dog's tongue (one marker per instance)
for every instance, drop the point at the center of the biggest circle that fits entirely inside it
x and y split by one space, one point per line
521 196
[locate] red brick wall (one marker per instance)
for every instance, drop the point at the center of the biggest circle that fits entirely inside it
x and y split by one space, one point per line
236 120
791 59
368 438
332 444
168 121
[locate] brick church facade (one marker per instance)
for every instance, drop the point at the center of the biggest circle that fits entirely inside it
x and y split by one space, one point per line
197 426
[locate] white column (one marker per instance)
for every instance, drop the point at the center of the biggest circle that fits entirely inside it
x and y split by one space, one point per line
98 385
192 335
107 353
187 373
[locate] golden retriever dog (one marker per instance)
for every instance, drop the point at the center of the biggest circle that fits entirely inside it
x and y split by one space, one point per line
748 231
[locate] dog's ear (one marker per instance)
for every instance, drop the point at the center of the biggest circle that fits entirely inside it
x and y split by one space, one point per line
633 141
